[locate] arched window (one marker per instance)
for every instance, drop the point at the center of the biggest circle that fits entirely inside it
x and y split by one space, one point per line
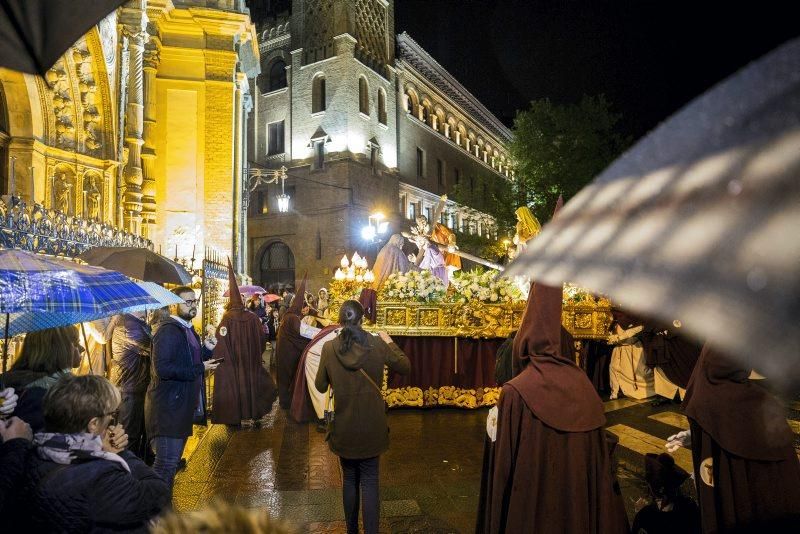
318 97
277 75
381 106
363 96
277 265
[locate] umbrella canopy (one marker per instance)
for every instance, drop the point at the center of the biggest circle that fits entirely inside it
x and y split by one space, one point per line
700 220
248 291
32 283
35 33
139 263
20 323
270 297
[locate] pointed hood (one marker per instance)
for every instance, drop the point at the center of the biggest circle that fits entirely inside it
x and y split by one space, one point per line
234 297
296 307
741 415
555 389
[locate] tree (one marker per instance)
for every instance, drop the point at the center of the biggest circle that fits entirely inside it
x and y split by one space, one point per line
558 149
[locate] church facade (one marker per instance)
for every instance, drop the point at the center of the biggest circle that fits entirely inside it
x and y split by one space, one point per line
141 125
364 121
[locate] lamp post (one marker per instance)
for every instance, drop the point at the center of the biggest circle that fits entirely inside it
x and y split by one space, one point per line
376 227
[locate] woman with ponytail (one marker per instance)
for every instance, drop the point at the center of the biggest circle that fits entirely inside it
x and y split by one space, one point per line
352 365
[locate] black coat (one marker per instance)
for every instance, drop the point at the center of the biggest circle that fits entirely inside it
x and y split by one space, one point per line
95 495
12 469
176 382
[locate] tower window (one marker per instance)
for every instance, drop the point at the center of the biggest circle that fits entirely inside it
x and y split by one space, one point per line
318 96
456 176
363 96
440 171
275 138
319 153
420 163
381 106
277 75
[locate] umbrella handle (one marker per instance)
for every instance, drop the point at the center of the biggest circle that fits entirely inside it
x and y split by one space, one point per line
5 346
86 346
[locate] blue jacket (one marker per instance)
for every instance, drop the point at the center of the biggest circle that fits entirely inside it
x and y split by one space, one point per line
95 495
176 383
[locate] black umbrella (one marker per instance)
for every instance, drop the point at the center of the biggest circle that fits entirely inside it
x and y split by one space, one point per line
35 33
700 220
139 263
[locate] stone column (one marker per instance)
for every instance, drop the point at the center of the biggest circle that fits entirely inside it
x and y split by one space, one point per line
134 21
150 66
244 255
238 156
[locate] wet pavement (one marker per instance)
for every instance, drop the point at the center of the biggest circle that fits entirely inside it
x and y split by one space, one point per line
430 478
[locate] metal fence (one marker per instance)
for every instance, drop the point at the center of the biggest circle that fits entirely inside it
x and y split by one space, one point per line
43 230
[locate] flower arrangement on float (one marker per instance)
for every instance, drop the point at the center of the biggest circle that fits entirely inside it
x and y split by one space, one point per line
418 286
483 286
350 278
576 295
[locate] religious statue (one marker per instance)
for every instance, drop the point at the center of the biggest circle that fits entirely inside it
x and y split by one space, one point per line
92 194
62 192
528 227
434 245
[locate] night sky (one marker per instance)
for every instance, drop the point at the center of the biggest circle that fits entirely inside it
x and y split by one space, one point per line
648 57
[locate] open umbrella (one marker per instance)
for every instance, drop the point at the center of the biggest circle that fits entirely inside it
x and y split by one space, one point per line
32 283
35 33
270 297
24 322
700 220
248 291
139 263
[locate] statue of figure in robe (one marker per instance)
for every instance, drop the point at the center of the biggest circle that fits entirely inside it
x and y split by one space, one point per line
528 227
62 192
92 190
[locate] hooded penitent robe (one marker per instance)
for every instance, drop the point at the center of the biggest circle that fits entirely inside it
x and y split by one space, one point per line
671 356
550 469
243 389
742 444
290 345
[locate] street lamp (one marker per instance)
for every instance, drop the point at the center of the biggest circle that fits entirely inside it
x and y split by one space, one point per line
256 177
376 226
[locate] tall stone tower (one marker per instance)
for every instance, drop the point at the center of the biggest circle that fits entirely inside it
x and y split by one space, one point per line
327 111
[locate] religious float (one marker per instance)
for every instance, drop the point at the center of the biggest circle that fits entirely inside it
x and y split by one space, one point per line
452 333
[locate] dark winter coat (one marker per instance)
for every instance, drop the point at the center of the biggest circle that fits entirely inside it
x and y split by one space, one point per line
31 386
12 470
360 428
96 495
129 347
176 383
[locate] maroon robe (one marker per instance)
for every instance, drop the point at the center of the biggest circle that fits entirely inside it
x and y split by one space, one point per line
243 389
742 428
550 468
290 345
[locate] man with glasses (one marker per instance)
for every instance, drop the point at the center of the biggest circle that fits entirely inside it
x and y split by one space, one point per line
176 393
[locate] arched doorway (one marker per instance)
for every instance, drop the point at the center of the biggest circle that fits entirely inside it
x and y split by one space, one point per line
277 265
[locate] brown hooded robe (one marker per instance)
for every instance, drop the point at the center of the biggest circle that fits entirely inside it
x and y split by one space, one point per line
243 389
741 430
290 346
550 469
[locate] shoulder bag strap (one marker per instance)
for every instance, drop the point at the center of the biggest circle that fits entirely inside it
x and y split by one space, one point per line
371 381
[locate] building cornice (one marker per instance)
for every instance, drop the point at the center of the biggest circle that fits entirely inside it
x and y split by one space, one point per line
426 66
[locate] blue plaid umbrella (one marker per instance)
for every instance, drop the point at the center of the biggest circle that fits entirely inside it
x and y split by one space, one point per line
23 322
42 285
32 283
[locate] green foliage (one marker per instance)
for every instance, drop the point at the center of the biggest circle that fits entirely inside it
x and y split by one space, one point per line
498 201
558 149
488 249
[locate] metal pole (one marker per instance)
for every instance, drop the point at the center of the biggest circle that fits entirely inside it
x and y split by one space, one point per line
86 346
5 345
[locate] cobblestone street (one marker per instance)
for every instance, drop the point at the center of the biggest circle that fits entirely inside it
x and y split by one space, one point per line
430 478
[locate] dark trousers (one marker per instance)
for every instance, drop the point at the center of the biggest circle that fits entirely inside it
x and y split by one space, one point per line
131 416
360 478
168 453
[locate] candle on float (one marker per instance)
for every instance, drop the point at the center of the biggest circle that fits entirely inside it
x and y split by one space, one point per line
356 259
344 263
369 276
350 274
339 275
359 278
